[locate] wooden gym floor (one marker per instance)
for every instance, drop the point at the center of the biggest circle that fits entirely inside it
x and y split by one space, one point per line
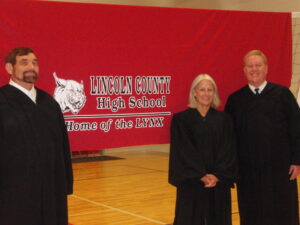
129 191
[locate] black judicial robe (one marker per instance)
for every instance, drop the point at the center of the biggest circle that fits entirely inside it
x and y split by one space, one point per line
35 165
201 145
268 142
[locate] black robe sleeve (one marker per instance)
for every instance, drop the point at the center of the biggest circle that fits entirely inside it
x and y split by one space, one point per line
229 107
184 164
226 159
293 118
67 154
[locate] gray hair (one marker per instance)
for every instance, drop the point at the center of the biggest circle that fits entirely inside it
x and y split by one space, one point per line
192 101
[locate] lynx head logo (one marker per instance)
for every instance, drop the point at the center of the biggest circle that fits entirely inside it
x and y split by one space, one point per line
69 94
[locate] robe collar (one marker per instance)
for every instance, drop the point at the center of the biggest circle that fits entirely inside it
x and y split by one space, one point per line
269 86
210 110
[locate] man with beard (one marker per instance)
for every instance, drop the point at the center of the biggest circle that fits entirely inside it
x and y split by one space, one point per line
267 123
35 165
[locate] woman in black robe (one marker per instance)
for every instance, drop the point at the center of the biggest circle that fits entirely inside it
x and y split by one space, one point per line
202 158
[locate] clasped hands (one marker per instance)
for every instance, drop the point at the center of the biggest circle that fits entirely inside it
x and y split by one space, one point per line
209 180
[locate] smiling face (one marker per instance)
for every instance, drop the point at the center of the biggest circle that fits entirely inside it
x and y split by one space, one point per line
204 93
25 71
255 70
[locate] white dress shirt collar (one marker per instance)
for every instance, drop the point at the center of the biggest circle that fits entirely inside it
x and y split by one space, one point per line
261 87
30 93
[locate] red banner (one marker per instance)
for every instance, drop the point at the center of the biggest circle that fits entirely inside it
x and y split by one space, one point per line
120 72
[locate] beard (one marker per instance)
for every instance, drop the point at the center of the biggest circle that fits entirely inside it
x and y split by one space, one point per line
30 76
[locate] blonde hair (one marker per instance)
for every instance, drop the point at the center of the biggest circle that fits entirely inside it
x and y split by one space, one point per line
256 52
192 101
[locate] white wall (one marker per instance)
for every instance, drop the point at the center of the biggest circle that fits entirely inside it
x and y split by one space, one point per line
255 5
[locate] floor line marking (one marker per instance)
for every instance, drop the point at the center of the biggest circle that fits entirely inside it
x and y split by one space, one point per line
119 210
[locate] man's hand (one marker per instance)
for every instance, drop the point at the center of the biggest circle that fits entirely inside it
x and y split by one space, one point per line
294 171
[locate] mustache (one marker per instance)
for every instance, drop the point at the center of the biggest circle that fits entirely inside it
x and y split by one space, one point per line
30 71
